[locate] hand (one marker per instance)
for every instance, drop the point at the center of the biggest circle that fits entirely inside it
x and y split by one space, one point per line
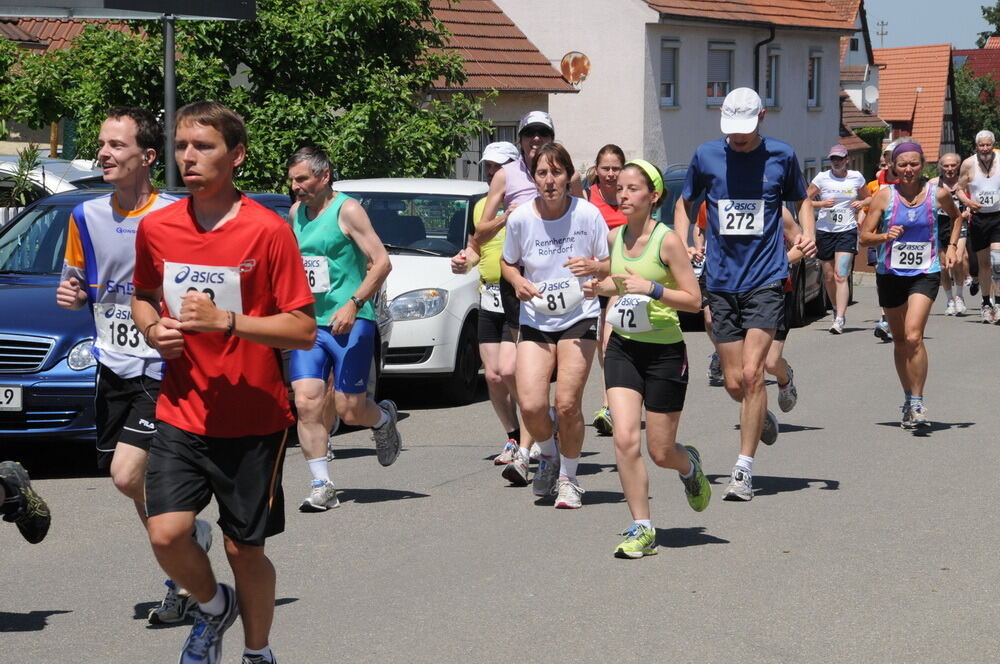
581 267
199 314
806 245
827 203
526 290
973 205
590 289
632 283
696 254
464 261
966 214
343 318
857 205
894 232
166 338
69 295
950 257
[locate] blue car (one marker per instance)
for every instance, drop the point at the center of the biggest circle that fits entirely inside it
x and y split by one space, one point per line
47 370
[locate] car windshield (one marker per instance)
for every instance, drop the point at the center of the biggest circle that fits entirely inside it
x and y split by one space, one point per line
35 242
421 223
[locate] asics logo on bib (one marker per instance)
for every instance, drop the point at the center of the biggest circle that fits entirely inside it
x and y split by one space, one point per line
110 313
741 206
311 262
120 287
553 285
199 276
118 313
629 301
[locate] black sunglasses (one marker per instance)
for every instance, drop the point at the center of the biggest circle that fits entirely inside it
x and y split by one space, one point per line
532 132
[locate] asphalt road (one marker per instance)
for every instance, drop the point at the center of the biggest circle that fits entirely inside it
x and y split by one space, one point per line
864 543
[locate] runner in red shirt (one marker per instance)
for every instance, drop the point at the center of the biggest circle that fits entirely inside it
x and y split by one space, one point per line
218 286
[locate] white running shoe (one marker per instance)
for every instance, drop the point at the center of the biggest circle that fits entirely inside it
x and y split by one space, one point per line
950 310
986 313
534 453
322 497
788 396
960 307
570 495
516 472
173 608
544 482
507 454
838 326
740 485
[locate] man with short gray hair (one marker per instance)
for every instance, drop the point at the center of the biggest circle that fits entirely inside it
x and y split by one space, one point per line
979 190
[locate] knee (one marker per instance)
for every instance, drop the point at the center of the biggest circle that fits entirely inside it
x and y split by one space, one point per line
352 412
166 536
913 340
839 278
753 379
567 408
308 405
661 457
734 387
493 377
243 556
129 482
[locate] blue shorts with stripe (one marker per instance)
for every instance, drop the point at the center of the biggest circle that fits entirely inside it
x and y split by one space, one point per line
349 356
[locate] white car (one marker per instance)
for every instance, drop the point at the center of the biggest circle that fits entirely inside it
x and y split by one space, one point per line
51 176
423 222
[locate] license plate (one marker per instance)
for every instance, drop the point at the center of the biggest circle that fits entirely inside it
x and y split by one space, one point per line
10 397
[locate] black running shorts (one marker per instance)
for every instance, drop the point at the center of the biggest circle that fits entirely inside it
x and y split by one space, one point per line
735 313
124 411
584 329
828 244
244 474
493 327
659 372
894 291
984 230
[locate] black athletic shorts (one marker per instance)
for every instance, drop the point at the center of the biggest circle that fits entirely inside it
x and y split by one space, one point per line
511 305
735 313
827 244
781 333
124 411
584 329
244 474
984 230
493 327
659 372
894 291
944 233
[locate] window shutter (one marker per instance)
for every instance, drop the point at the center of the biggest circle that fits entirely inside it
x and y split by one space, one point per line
718 65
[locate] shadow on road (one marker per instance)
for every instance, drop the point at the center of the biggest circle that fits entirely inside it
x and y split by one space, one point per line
32 621
678 538
926 431
423 393
789 428
765 485
352 452
377 495
46 460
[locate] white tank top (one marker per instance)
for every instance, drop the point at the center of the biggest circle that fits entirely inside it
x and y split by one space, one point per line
986 190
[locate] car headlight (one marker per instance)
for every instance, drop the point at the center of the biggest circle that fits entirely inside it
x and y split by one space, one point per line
81 356
417 304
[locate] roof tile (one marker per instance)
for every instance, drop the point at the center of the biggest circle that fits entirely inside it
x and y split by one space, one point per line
787 13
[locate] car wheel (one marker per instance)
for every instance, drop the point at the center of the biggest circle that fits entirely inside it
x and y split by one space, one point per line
460 388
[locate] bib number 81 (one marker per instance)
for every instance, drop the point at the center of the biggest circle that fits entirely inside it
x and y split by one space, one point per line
550 301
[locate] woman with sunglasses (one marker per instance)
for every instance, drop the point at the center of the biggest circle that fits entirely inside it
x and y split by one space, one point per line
646 361
558 239
841 194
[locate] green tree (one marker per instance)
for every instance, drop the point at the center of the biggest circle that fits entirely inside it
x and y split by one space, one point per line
977 107
352 76
992 16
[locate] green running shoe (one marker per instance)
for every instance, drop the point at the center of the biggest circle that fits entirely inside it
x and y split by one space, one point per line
22 505
602 421
639 541
696 487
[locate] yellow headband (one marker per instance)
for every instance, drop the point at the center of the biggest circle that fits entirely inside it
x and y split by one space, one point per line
652 171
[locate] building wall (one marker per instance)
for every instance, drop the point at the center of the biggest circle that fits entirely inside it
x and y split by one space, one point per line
620 100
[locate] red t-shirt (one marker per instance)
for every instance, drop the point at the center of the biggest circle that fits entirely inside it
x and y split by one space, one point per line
613 216
222 386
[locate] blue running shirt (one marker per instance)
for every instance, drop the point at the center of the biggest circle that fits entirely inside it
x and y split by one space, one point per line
916 251
747 249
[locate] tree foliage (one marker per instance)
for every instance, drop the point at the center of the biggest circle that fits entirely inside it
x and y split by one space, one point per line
349 75
977 106
992 16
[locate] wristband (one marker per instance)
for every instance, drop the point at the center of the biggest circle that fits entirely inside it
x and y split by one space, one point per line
232 324
655 290
145 332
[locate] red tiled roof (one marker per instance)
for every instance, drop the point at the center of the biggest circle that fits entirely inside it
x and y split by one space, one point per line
852 73
853 117
853 143
992 42
782 13
982 61
912 89
10 30
498 56
59 32
848 10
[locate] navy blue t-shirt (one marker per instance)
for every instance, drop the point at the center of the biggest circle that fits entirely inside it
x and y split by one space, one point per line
746 249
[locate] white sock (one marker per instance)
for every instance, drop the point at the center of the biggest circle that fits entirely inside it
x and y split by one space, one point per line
948 295
525 452
383 417
745 462
319 469
959 290
689 473
645 522
265 653
548 447
216 605
567 467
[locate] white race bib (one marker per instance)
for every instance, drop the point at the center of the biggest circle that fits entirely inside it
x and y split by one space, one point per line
117 331
489 298
988 197
741 217
317 272
910 256
559 296
839 216
630 313
222 284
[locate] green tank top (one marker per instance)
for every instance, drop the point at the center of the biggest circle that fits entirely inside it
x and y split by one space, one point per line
335 265
665 324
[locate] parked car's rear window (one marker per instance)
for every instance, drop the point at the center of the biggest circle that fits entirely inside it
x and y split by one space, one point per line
36 242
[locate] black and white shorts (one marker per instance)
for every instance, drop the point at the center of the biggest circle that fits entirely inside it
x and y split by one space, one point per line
585 329
125 412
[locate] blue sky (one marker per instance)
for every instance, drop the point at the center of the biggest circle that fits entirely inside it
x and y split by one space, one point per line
917 22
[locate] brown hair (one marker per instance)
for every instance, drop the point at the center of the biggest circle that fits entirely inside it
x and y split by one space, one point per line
649 182
610 148
556 154
215 115
148 132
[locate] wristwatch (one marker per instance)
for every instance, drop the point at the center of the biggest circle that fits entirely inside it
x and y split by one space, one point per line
358 302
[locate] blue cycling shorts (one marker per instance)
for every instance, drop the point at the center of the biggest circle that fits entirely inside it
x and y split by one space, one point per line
348 355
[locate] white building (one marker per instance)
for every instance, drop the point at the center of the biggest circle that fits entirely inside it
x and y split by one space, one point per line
660 70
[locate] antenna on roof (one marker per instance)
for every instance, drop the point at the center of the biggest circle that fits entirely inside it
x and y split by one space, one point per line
882 32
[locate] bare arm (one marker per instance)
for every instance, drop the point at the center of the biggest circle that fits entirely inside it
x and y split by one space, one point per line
868 235
682 226
524 289
812 191
946 203
962 190
806 239
687 295
490 224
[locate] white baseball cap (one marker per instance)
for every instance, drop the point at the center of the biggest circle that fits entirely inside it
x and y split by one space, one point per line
500 152
536 118
740 111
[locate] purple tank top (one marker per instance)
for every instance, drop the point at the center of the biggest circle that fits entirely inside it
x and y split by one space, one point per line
520 185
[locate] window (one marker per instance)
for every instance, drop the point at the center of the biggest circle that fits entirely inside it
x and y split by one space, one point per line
854 44
500 132
771 79
813 97
668 73
810 169
720 72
